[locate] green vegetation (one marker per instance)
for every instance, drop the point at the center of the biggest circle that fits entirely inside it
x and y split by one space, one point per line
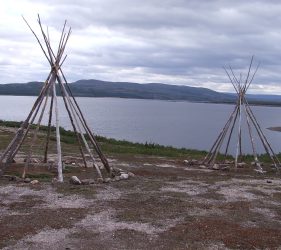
113 146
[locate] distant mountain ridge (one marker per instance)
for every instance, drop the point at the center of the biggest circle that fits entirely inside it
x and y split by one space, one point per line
159 91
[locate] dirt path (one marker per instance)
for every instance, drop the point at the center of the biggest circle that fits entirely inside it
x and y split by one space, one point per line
166 206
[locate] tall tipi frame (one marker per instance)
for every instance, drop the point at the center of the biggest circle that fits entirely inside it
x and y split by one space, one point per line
242 106
48 98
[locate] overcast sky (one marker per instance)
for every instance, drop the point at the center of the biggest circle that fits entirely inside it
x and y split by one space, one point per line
185 42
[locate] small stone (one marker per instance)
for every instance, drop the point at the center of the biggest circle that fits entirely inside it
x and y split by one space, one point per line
34 182
54 180
27 180
193 162
228 162
107 180
74 180
269 181
124 176
216 167
260 171
13 178
202 166
100 180
186 162
225 168
131 174
117 178
241 164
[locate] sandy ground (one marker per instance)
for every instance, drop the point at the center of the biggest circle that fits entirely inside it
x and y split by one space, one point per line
166 206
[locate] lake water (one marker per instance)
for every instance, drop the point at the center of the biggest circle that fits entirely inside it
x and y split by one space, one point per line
179 124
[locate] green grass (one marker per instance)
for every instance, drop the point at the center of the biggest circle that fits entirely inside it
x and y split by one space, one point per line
113 146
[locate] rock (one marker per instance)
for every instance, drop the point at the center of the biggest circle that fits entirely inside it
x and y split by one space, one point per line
241 164
269 181
225 168
32 160
202 166
124 176
13 178
193 162
274 166
74 180
100 180
117 178
54 180
34 182
260 171
229 162
107 180
216 167
87 182
131 174
27 180
186 162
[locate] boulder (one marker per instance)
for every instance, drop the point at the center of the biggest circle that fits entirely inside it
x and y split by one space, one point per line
74 180
186 162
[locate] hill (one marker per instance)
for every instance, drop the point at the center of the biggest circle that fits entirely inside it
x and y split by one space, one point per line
159 91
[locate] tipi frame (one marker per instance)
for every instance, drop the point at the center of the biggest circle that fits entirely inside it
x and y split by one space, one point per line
48 95
226 134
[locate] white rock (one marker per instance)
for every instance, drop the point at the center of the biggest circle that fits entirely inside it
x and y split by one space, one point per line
260 171
202 166
216 167
34 182
124 176
241 164
131 174
74 180
186 162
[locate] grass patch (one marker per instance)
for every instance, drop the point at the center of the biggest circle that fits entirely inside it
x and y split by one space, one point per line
113 146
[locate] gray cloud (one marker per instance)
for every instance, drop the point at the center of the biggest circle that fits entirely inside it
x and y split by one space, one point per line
170 41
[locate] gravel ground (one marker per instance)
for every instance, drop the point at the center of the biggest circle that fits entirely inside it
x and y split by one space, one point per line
163 207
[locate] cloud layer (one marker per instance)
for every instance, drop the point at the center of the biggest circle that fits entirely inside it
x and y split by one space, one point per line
169 41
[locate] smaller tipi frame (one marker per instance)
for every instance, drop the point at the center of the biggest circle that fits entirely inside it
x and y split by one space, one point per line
235 118
48 95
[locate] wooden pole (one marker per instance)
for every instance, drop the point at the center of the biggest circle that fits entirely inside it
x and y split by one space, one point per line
49 128
59 158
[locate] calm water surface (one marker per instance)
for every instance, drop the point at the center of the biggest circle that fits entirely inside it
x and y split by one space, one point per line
180 124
